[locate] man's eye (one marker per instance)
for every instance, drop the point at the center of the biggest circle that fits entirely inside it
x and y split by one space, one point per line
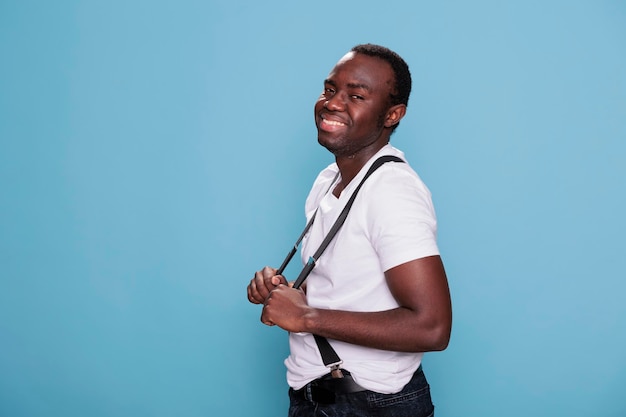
329 91
357 97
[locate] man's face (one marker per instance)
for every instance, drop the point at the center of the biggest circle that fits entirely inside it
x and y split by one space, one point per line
351 113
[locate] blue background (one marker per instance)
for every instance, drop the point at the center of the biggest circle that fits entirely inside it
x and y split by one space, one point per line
153 155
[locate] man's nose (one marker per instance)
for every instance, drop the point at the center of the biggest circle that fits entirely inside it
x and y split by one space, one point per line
336 102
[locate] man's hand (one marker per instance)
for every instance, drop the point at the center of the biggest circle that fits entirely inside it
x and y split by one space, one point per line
263 283
286 308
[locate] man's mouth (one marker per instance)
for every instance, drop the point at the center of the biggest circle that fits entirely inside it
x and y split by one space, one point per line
330 125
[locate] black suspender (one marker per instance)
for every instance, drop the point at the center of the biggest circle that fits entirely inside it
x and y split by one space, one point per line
329 356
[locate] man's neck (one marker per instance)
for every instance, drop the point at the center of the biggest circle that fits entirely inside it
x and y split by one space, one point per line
349 166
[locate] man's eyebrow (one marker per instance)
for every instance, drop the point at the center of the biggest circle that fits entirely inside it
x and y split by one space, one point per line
350 85
359 86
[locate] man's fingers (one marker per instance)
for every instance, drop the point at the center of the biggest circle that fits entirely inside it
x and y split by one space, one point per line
253 295
257 291
263 282
278 279
265 319
268 272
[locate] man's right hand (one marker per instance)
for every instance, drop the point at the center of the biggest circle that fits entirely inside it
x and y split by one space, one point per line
263 283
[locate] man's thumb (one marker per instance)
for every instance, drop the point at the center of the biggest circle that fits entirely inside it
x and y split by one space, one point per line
278 279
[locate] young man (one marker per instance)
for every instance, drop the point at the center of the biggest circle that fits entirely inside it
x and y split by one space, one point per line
379 293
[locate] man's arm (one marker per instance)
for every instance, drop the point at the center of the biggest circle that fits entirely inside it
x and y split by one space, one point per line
422 322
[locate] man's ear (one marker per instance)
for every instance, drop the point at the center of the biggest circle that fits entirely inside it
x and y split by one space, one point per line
395 114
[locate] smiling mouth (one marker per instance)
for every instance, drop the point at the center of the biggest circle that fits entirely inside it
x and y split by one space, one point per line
330 125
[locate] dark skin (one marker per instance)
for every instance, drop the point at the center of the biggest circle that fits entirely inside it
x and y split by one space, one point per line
354 118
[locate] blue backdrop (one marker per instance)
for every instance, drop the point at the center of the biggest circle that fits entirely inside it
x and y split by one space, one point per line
153 155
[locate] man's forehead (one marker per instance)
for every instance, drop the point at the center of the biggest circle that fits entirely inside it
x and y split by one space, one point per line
346 57
366 71
365 61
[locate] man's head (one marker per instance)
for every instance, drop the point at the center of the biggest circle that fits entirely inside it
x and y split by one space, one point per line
364 98
402 88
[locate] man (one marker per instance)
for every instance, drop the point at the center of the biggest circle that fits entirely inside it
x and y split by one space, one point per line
379 293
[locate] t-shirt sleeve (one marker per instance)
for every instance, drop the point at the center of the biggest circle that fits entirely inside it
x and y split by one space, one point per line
401 219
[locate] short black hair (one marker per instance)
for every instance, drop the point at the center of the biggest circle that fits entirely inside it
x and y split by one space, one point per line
402 88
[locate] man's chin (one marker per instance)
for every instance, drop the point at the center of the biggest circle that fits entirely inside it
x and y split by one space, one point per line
335 150
338 152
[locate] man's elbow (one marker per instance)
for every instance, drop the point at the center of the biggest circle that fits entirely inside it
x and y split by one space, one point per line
441 343
438 338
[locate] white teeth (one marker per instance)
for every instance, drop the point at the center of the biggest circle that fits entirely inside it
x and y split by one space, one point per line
333 123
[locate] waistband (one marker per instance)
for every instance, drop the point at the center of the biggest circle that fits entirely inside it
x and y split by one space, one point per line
325 389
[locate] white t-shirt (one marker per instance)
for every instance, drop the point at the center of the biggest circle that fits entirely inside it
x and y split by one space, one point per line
391 222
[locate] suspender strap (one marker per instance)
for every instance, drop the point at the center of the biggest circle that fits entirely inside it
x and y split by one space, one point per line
294 249
329 356
340 220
